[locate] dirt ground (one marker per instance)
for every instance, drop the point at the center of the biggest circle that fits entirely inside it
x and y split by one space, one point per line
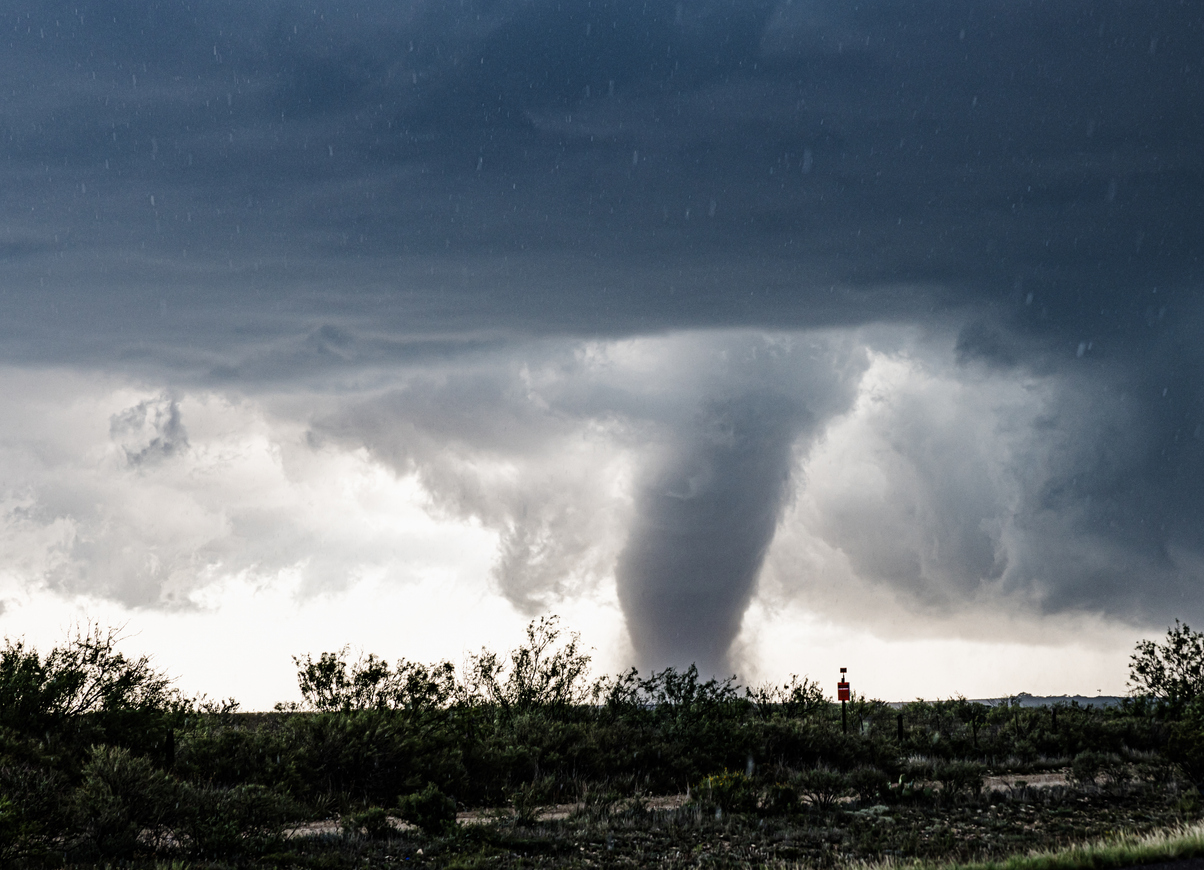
557 812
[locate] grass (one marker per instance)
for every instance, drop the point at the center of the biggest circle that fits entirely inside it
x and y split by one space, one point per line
1109 853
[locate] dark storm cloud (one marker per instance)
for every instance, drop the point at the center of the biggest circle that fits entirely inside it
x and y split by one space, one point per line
257 156
272 193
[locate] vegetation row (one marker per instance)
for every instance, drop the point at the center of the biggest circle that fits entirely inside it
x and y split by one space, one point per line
102 759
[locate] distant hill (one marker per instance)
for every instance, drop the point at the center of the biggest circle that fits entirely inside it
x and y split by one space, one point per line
1024 699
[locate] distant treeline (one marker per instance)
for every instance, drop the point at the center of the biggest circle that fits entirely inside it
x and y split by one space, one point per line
101 757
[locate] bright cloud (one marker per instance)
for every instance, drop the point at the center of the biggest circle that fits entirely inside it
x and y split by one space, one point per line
449 502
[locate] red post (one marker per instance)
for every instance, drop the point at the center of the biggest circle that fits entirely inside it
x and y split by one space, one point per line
842 695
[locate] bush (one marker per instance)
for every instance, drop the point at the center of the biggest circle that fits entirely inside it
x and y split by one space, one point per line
430 810
1185 747
957 777
794 700
869 784
539 674
1171 671
330 684
372 823
1086 766
87 692
779 799
33 809
224 821
732 792
822 787
121 799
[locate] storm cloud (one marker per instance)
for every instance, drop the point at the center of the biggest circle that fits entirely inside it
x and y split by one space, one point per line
892 297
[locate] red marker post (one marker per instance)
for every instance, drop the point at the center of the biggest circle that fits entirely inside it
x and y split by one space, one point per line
842 695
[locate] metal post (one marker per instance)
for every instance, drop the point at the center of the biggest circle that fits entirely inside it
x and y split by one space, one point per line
842 691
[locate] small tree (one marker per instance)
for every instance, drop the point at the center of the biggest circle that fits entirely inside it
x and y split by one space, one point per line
541 673
796 699
1171 671
85 680
332 684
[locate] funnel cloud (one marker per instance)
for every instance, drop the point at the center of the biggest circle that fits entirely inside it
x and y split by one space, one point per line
708 506
703 524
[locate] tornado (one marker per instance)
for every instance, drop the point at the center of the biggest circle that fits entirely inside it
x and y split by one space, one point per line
705 518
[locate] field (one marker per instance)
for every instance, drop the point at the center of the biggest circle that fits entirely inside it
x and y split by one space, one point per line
521 760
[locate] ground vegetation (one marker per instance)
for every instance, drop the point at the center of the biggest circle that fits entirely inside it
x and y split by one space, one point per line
520 759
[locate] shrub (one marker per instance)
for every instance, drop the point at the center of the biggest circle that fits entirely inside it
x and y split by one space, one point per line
223 821
89 685
1185 747
869 784
1086 766
822 787
796 699
33 811
730 791
122 798
957 777
779 798
1171 671
372 823
430 810
528 798
539 674
331 684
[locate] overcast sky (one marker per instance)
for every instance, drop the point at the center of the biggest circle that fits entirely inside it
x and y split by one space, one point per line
772 335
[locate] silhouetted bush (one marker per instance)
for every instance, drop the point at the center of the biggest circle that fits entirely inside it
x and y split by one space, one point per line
822 787
1171 671
869 784
213 820
430 810
372 823
730 791
123 799
86 692
959 777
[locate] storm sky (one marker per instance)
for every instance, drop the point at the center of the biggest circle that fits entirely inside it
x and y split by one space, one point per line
720 327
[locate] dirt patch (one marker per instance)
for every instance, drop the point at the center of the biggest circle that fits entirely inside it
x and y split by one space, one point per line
552 813
1010 782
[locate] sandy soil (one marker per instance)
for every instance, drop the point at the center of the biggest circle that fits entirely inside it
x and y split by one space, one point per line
1032 780
551 813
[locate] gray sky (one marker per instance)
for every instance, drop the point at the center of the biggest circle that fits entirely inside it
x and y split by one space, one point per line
690 307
